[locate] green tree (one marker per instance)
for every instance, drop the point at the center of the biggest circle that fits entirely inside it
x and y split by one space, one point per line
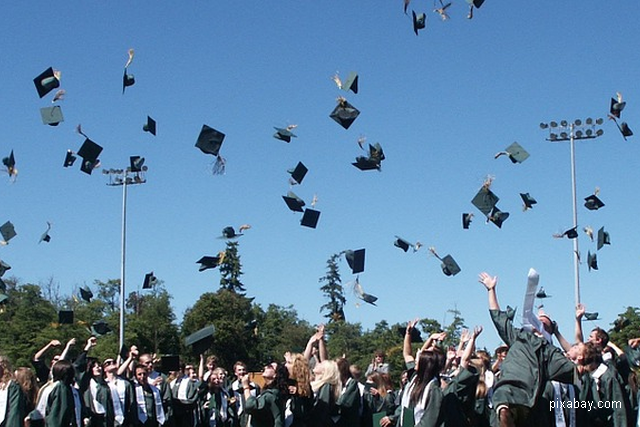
625 327
333 290
344 338
454 329
231 269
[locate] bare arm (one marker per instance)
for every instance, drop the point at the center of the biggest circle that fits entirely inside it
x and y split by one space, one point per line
566 345
65 352
322 347
201 368
580 309
490 284
470 348
406 345
43 350
133 354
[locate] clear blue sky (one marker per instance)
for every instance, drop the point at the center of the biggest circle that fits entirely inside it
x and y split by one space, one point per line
441 105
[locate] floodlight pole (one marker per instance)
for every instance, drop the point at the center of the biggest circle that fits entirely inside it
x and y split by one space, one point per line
577 130
124 178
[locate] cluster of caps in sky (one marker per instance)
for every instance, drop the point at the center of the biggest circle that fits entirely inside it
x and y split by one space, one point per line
441 8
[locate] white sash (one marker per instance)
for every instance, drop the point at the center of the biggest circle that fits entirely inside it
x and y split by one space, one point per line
182 389
43 397
142 404
418 410
598 373
97 406
4 393
77 404
558 411
221 411
118 391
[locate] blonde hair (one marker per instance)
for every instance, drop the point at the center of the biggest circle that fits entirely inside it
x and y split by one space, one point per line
301 373
330 375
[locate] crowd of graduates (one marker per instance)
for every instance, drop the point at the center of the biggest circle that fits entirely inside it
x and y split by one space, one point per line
528 382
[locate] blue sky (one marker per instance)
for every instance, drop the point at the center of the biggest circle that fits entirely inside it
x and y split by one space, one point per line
441 105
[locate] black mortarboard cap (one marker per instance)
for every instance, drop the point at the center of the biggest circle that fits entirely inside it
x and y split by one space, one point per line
299 172
527 200
625 130
65 317
477 3
516 153
344 113
616 107
52 116
127 80
230 233
620 323
284 134
415 333
603 238
89 150
542 293
310 218
294 202
592 261
498 217
591 316
46 82
419 21
135 163
201 340
100 328
149 281
210 140
571 233
593 203
9 161
207 262
4 267
466 220
368 298
366 163
150 126
169 364
69 159
7 230
485 200
449 266
402 244
351 83
87 166
355 259
86 294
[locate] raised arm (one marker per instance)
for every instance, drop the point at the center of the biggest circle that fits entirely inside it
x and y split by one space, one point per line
322 345
201 368
490 283
406 345
580 310
470 348
564 344
67 347
133 354
43 350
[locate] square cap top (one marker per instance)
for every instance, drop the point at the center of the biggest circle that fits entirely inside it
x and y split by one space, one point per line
485 200
355 259
51 116
415 334
136 163
69 159
149 281
368 298
89 150
298 173
7 231
46 82
294 202
100 328
207 262
402 244
616 107
366 163
466 220
9 161
203 334
210 140
4 267
351 83
571 233
476 3
284 134
169 364
625 130
591 316
516 153
592 261
419 21
449 266
150 126
498 217
127 80
65 317
344 114
593 203
310 218
86 294
603 238
88 166
527 200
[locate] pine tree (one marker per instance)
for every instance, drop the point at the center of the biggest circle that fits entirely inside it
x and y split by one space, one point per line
333 290
231 269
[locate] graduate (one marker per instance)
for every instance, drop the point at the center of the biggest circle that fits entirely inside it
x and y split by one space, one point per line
218 408
150 412
184 392
267 409
13 402
326 388
97 396
299 406
64 403
122 395
350 400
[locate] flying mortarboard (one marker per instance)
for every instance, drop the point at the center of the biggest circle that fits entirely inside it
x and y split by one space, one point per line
65 317
593 203
8 232
135 163
169 363
591 316
89 151
603 238
365 163
209 142
419 21
592 261
150 126
10 163
207 262
361 294
149 281
476 3
230 233
4 267
86 294
46 82
571 233
527 201
69 159
310 218
298 173
128 79
201 340
485 200
415 334
498 217
541 294
466 220
625 130
100 328
294 202
616 106
449 265
344 114
355 259
52 116
351 83
402 244
284 134
516 153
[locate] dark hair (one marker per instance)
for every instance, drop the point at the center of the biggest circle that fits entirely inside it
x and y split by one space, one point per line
63 371
591 354
343 368
602 335
430 364
379 353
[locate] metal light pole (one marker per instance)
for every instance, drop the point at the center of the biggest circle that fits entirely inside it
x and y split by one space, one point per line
571 132
132 175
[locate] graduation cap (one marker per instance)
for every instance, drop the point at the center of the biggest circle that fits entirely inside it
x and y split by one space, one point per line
207 262
442 10
344 114
593 203
402 244
603 238
541 294
69 159
285 134
592 261
149 281
419 21
169 363
86 294
201 340
620 323
51 116
128 79
466 220
571 233
89 151
293 202
498 217
449 265
135 163
516 153
485 200
624 130
150 126
591 316
310 218
355 259
46 237
4 267
361 294
10 163
8 232
65 317
46 82
3 298
230 233
527 201
100 328
209 142
616 106
351 83
414 332
298 173
373 161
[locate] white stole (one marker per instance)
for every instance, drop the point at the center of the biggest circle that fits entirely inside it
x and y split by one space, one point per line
118 391
43 397
142 404
182 389
97 406
222 410
4 397
558 411
418 410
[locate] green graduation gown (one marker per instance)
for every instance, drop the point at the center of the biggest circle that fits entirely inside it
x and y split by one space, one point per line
266 409
16 406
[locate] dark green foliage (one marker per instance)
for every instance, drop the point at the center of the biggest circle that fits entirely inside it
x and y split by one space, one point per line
231 269
333 291
621 337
